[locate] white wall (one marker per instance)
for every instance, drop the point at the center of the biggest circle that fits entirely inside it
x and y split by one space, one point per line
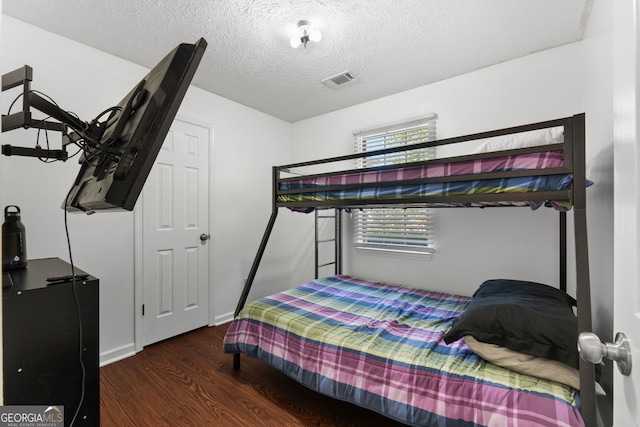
87 81
1 314
538 87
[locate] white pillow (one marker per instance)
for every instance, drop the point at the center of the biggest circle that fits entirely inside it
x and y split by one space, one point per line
532 138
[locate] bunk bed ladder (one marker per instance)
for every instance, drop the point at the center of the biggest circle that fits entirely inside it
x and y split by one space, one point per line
321 218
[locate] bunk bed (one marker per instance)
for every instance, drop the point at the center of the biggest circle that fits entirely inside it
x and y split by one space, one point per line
422 357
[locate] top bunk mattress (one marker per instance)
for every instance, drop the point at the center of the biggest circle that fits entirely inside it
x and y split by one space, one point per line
531 165
479 177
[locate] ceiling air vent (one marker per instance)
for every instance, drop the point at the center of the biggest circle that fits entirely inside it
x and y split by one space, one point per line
338 80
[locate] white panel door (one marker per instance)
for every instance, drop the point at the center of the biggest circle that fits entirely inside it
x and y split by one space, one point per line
626 319
175 230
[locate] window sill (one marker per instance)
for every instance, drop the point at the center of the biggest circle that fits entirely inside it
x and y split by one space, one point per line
396 253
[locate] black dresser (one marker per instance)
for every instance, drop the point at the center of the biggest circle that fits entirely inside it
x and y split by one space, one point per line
41 345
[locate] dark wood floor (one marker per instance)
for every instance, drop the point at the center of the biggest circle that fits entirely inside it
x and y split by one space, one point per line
189 381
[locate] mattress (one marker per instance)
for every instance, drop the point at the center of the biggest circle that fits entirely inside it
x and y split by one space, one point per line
433 180
380 346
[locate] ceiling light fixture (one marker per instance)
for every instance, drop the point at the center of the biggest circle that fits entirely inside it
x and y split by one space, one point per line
304 34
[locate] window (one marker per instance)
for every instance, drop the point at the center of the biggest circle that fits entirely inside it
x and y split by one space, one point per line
395 228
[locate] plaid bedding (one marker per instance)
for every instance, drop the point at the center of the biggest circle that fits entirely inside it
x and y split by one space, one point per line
380 346
531 161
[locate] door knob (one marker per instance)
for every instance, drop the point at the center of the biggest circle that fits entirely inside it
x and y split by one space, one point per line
593 350
204 237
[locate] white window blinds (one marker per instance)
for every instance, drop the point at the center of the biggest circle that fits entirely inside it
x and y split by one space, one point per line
395 228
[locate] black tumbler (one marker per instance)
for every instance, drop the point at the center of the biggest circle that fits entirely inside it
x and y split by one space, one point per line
14 241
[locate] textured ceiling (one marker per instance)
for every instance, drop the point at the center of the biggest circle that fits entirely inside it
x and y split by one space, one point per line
389 45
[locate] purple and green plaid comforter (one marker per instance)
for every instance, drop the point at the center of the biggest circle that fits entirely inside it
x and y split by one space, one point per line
380 346
373 185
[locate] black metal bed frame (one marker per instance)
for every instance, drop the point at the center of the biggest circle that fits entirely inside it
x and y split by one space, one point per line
574 163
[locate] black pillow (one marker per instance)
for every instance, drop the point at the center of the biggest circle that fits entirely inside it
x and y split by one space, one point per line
527 317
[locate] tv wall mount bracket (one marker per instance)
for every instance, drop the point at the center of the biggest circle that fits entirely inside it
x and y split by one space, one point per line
24 119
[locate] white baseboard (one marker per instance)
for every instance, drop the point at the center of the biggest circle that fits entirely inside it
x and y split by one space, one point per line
116 354
129 350
219 320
